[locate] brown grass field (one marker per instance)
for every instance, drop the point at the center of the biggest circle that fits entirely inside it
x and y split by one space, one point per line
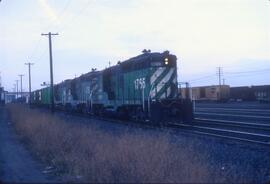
79 150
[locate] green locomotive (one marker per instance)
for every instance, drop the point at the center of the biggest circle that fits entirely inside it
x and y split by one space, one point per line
141 88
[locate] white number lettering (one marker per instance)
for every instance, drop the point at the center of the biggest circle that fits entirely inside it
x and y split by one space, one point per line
139 83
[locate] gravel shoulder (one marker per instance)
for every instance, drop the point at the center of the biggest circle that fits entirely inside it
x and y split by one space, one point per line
16 163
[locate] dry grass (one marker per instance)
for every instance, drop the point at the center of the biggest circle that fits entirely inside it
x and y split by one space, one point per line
99 156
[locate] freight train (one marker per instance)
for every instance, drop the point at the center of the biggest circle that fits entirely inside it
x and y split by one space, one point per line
142 88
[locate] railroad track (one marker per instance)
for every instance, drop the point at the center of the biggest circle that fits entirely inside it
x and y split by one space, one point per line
233 130
241 131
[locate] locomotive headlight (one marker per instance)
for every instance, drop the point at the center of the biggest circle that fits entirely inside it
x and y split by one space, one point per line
166 61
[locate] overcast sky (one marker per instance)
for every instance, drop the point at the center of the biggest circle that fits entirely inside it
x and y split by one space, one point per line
203 34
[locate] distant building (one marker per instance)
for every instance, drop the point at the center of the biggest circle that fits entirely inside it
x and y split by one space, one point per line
10 97
17 97
209 93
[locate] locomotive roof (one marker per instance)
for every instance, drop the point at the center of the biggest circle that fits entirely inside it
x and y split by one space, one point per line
83 76
145 56
156 56
90 74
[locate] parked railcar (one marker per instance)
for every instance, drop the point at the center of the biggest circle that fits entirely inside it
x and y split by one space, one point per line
144 87
45 96
36 97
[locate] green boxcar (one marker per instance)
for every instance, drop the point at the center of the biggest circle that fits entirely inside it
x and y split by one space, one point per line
45 96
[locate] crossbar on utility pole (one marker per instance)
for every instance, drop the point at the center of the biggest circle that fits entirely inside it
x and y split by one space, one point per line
51 66
21 75
29 75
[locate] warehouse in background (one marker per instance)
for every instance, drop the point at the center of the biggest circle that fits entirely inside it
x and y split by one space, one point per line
209 93
10 97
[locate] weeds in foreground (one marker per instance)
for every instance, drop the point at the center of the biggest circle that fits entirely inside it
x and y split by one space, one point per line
94 155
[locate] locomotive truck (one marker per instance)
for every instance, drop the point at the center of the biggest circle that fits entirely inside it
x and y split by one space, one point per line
142 88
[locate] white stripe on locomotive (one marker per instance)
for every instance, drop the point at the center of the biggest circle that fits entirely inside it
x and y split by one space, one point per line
159 86
166 93
156 74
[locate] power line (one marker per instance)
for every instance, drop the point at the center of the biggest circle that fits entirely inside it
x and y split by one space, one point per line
213 80
72 20
245 75
67 4
36 47
251 71
202 78
61 15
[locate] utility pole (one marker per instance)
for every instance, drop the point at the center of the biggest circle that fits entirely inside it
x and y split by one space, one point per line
187 90
51 66
14 89
29 75
21 75
219 73
17 92
223 81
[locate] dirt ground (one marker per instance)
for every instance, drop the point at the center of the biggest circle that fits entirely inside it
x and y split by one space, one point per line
16 163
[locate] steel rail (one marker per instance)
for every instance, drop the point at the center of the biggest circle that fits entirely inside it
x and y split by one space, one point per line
257 126
261 139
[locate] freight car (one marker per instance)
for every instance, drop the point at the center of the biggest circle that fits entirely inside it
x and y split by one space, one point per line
142 88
